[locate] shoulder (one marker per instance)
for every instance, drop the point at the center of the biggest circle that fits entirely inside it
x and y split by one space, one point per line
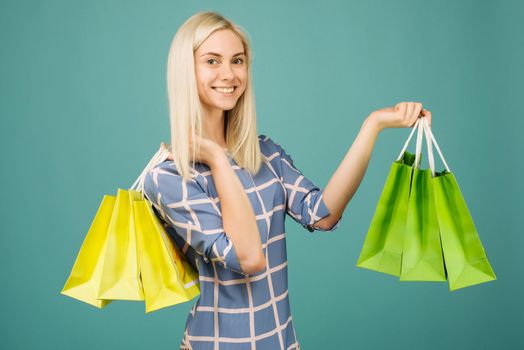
165 179
267 145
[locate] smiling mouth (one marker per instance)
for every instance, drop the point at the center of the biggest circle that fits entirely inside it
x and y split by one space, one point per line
225 91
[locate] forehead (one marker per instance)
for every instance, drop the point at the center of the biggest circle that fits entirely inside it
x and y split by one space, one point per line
224 42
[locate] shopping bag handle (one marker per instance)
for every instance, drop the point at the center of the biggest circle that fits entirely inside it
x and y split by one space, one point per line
430 141
419 142
418 149
431 159
160 156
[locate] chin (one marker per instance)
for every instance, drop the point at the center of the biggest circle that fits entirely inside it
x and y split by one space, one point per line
225 106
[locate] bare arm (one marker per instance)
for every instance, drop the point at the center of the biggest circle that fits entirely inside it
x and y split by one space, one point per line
348 176
237 215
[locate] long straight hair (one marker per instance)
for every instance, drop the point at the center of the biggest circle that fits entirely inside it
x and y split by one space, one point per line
185 112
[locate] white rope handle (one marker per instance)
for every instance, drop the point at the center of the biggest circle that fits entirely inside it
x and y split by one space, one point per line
431 159
430 141
160 156
418 150
407 141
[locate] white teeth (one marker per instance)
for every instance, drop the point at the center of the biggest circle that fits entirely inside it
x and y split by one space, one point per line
224 90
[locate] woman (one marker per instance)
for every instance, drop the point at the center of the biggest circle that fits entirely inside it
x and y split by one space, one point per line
226 211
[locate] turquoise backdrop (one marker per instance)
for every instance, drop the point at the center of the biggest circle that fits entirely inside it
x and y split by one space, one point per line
83 108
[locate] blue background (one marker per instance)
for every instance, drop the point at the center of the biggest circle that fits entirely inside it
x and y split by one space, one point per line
83 108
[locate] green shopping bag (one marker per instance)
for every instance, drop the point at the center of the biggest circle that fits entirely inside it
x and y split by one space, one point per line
422 255
464 256
382 249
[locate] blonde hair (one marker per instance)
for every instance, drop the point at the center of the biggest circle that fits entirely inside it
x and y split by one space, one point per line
184 104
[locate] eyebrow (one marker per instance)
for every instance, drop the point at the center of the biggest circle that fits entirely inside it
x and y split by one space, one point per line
219 55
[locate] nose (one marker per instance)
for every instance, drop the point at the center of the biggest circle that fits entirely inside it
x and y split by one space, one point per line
227 72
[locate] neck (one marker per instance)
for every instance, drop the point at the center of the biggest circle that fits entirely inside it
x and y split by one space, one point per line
213 125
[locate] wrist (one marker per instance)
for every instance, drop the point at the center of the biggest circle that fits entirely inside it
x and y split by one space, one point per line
218 158
373 123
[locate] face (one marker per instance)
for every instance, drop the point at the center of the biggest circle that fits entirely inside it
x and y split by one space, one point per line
220 62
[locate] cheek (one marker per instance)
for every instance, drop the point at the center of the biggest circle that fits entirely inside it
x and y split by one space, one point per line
244 85
203 76
242 74
243 77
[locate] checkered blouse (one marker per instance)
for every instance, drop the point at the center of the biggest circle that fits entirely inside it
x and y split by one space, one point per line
236 310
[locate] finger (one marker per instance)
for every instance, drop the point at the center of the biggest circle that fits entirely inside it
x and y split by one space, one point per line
427 114
401 107
416 112
409 113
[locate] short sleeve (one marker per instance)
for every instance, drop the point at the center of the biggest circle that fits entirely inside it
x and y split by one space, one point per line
192 213
304 202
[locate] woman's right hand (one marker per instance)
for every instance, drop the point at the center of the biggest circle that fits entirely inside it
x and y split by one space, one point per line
207 153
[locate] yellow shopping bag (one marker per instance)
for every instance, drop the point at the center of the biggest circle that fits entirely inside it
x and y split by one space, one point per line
128 255
120 272
167 277
107 266
84 281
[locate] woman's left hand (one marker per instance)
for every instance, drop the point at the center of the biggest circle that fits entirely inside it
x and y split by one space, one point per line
403 115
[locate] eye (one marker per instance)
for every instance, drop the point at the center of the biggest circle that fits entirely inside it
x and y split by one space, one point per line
211 59
241 60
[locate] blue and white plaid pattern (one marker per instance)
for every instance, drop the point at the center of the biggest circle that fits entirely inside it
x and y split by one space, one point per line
236 310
